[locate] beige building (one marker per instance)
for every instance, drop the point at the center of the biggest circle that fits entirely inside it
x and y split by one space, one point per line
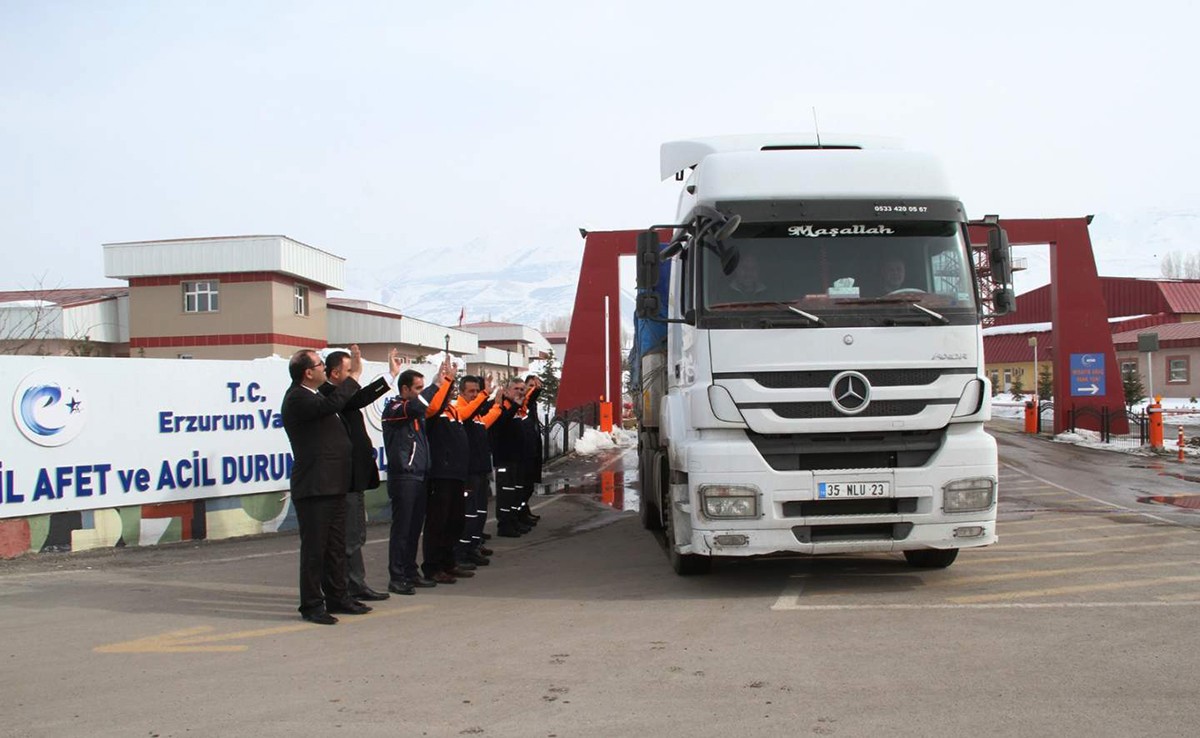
238 297
505 349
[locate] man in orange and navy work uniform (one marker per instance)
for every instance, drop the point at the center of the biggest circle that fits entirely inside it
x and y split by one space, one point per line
508 446
449 452
478 416
531 468
404 419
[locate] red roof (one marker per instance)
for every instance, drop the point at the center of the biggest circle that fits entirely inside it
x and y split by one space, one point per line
1122 295
1014 348
1170 335
66 297
555 337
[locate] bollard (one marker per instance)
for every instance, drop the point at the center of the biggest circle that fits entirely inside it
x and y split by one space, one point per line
1030 418
606 416
1181 443
1154 411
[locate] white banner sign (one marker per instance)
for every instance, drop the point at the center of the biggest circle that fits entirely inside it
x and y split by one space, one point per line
88 433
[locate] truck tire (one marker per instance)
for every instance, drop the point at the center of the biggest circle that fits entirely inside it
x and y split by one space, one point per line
931 558
648 507
687 565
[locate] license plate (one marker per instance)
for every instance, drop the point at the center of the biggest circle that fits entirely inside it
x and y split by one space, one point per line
852 490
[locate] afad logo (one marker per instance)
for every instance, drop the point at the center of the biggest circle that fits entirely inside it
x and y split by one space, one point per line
49 408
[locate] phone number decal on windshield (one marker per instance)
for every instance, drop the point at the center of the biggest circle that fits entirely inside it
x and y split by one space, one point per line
901 209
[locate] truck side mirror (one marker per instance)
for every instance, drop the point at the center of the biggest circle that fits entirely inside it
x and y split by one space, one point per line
1004 299
649 258
648 306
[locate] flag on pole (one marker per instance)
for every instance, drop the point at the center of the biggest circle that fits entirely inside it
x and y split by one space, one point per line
462 314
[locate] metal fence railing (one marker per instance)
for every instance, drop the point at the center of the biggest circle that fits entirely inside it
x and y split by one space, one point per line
559 433
1103 421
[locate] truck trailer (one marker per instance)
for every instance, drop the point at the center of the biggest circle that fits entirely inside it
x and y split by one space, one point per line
809 356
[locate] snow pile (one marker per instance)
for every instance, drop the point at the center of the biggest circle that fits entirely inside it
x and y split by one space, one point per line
594 440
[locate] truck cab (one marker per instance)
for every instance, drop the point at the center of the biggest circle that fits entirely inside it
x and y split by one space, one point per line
809 355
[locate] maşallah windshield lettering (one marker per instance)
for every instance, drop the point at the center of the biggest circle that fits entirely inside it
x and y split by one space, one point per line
810 231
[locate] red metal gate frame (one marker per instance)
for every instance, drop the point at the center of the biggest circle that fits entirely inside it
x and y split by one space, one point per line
1078 312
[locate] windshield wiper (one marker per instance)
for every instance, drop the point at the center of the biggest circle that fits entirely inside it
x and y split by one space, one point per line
936 316
812 319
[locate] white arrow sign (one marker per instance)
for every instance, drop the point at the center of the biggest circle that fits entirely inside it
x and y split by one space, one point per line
1090 390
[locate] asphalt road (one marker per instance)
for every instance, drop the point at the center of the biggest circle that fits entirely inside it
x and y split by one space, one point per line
1077 623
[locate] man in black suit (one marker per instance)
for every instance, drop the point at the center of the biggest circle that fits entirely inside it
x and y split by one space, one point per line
364 469
321 477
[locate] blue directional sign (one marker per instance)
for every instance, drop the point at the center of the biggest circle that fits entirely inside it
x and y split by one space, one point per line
1087 375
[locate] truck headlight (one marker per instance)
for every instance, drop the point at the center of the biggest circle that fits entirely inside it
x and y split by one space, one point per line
969 495
721 501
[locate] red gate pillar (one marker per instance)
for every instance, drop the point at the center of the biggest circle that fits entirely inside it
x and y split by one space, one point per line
1078 314
583 369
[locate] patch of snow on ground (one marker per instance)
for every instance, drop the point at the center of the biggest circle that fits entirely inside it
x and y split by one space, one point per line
594 440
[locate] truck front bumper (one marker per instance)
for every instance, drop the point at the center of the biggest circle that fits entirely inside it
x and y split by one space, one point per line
791 519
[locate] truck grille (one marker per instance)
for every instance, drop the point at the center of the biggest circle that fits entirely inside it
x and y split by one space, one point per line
814 410
887 506
877 377
852 533
868 450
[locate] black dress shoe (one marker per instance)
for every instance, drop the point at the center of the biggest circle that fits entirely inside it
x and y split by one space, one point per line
320 617
421 581
370 595
464 565
402 587
477 559
513 532
485 551
443 578
459 573
348 607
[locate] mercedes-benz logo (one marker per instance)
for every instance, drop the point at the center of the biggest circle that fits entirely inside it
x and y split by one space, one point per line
851 393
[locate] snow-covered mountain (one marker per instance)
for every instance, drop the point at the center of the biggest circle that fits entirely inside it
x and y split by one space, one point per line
535 281
528 284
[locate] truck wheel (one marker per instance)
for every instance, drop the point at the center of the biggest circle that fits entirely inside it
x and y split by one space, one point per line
651 519
687 565
931 558
648 509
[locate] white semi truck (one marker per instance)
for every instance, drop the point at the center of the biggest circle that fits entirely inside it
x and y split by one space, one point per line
809 355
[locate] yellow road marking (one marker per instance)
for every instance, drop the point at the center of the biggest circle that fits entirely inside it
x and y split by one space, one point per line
1075 541
1019 575
202 639
1049 531
1064 554
1180 597
1071 589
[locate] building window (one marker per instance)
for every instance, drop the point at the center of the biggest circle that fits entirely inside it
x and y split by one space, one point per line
1178 370
200 297
994 375
1128 368
300 300
186 356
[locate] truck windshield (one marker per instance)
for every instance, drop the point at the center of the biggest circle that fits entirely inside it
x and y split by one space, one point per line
873 273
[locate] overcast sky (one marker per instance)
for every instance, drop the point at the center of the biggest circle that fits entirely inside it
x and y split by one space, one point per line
397 130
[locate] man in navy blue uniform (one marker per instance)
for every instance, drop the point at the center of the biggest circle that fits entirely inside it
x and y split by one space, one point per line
407 446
